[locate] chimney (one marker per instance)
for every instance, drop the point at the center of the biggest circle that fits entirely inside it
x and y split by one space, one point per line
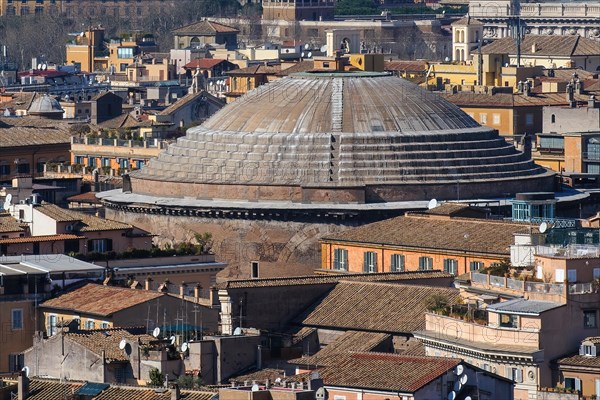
147 283
259 357
520 87
23 386
526 88
592 102
533 48
197 290
182 290
578 86
571 95
175 392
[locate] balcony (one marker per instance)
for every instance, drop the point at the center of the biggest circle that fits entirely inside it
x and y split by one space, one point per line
569 251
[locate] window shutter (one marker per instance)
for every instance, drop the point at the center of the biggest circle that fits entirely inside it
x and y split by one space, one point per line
594 352
366 262
519 375
336 258
109 246
508 372
577 384
581 350
374 262
90 246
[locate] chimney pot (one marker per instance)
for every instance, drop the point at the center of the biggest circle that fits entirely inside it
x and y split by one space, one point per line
23 386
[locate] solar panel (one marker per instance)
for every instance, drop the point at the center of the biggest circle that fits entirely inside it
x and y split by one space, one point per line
92 389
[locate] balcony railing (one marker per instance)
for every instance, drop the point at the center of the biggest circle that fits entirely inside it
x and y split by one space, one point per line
570 251
96 141
491 281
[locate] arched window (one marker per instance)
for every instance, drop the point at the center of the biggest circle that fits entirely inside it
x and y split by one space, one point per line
553 119
195 42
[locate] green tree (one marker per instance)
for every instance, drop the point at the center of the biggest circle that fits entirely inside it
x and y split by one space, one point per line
356 7
156 378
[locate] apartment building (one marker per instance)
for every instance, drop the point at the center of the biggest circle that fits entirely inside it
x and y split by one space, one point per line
129 9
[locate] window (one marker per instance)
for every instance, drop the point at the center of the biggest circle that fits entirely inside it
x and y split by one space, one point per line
370 263
596 273
4 169
552 142
516 374
496 119
90 324
340 259
573 383
509 321
23 168
16 362
587 350
425 263
589 319
475 265
100 245
528 119
571 275
397 263
483 118
51 325
125 52
553 118
17 319
450 266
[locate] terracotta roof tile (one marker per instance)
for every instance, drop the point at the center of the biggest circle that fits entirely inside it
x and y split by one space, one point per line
42 238
328 279
204 27
580 361
51 390
388 372
100 300
107 340
436 232
406 65
375 307
90 223
545 45
349 341
27 131
502 100
204 63
87 197
8 224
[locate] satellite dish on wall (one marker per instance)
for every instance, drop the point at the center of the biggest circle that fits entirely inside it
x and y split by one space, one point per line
237 331
172 339
122 344
459 370
432 204
156 332
457 386
26 370
39 66
309 55
255 388
543 227
323 49
184 347
452 395
307 46
464 379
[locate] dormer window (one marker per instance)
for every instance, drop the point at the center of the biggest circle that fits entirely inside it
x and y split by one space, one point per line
587 350
509 321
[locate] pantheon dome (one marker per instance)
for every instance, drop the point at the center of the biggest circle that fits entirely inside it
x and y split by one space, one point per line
340 138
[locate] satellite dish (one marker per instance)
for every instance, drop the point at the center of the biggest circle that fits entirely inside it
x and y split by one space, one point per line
255 388
122 344
452 395
172 339
459 370
309 55
237 331
184 347
543 227
432 204
44 66
468 398
156 332
464 379
302 55
323 49
26 370
39 66
307 46
457 386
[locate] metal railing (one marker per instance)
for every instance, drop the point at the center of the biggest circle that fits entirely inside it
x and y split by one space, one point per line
584 288
569 251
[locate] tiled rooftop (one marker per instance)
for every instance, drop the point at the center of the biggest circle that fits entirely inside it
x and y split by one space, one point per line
376 307
204 63
545 45
328 279
90 223
25 131
100 300
42 389
349 341
383 371
38 239
204 27
8 224
107 340
434 232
